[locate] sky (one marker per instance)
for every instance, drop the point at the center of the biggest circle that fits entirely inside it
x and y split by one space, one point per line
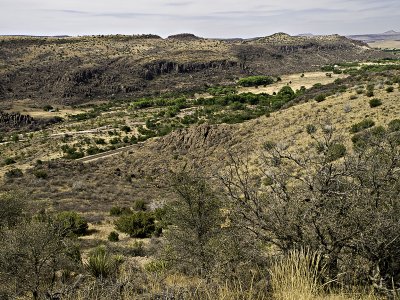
205 18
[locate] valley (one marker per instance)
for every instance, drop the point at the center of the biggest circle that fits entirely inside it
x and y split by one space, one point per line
183 164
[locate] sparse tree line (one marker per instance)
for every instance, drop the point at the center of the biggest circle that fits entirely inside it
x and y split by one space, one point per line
337 205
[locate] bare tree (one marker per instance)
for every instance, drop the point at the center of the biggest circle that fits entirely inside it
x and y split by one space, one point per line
344 205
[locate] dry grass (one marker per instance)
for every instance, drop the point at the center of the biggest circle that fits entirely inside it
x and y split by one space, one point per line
295 81
296 276
385 45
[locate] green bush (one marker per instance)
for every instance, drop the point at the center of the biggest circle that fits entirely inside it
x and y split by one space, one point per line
394 125
369 93
139 205
42 174
100 141
256 80
320 97
117 211
125 128
115 140
9 161
335 151
71 152
310 128
113 236
364 124
101 264
138 225
14 173
389 89
93 150
375 102
71 222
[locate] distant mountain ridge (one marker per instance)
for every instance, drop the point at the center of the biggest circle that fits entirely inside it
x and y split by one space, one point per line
373 37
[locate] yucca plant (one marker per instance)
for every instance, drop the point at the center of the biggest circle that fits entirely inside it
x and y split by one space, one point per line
101 264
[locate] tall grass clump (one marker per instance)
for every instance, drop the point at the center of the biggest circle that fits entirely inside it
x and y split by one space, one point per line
296 276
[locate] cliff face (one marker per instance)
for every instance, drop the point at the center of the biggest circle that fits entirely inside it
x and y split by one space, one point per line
12 121
74 70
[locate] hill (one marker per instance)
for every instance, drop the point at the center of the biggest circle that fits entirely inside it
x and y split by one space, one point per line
72 70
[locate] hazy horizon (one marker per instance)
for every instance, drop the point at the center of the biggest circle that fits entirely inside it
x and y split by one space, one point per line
211 19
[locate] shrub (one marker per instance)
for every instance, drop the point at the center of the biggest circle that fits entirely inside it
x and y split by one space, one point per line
47 107
335 151
42 174
9 161
101 264
115 141
71 223
117 211
310 128
137 248
369 93
100 141
125 128
375 102
139 225
139 205
389 89
113 236
364 124
359 91
320 97
394 125
14 173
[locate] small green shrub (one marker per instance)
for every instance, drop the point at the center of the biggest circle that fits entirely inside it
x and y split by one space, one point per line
394 125
9 161
42 174
101 264
139 205
320 97
369 93
364 124
389 89
335 151
100 141
375 102
115 140
125 128
310 128
71 222
117 211
113 236
139 224
14 173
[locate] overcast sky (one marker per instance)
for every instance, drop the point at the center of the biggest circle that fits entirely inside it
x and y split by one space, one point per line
206 18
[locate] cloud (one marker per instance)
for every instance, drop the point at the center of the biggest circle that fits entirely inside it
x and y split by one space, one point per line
179 3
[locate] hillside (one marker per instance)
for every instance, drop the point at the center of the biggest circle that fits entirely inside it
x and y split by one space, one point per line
149 168
74 70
